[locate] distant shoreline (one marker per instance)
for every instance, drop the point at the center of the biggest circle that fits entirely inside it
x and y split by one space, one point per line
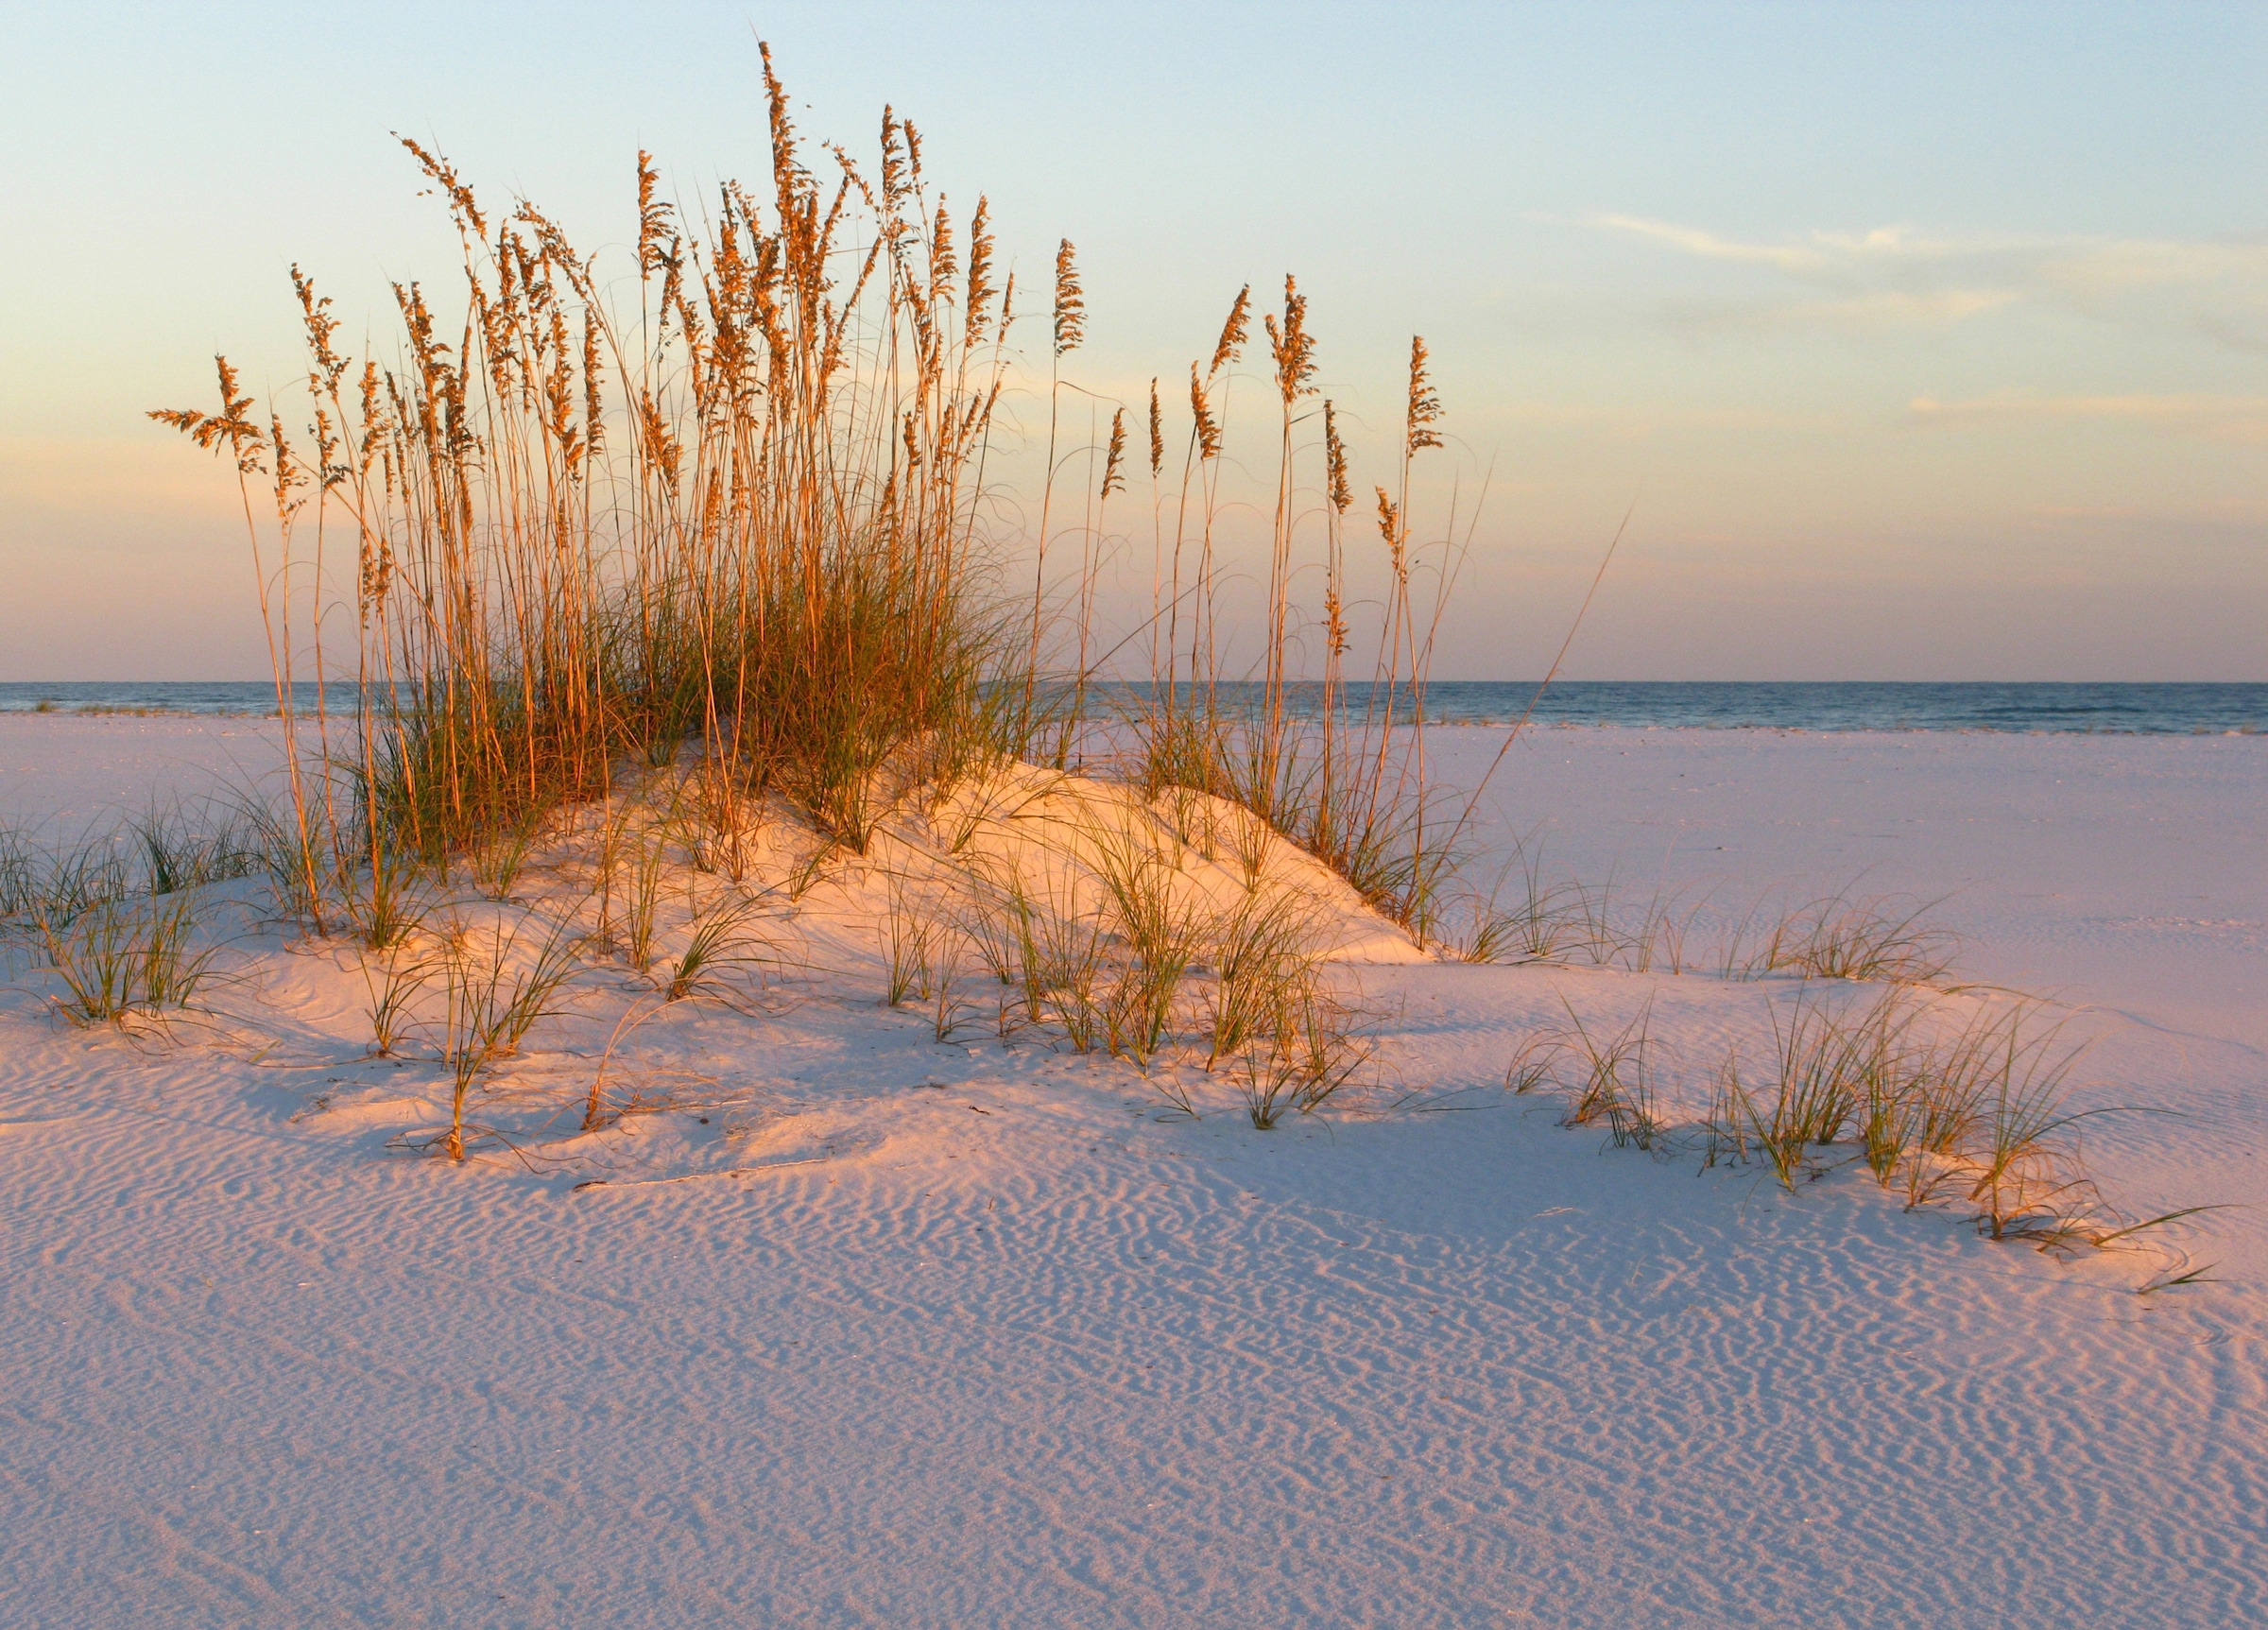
2023 708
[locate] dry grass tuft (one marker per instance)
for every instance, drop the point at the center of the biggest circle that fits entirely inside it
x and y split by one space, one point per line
500 983
1878 937
117 959
729 519
1941 1108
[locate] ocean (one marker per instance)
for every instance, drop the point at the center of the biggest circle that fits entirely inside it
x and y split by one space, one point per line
1853 705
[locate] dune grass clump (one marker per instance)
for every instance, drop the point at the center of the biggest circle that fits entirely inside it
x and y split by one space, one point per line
1530 917
153 856
1614 1083
1083 912
464 978
53 886
1874 938
736 507
116 959
500 984
723 936
570 535
112 915
179 855
1941 1110
1345 778
1163 935
1136 968
394 975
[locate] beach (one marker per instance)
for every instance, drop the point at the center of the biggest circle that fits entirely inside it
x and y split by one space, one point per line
911 1333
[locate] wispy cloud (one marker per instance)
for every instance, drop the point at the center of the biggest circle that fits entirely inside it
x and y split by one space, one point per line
1826 256
1876 311
2240 419
1899 278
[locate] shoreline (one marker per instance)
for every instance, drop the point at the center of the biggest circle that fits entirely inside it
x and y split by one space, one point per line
1435 723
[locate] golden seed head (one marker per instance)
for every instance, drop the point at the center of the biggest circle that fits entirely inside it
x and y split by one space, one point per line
1424 406
1292 346
893 159
1071 307
1335 455
1114 480
980 271
1233 332
1209 430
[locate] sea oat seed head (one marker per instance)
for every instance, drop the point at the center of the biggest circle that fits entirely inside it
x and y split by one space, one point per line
1209 431
1292 346
980 271
1114 480
459 196
1233 332
944 265
1425 407
653 222
1335 455
1071 308
893 159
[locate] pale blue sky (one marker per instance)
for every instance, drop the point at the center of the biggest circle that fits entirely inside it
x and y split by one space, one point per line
1932 341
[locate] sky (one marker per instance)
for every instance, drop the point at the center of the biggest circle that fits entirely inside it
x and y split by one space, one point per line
1916 342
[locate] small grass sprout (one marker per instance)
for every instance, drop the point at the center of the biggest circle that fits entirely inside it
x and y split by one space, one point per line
1299 1051
382 902
1614 1080
394 975
909 934
1876 938
498 860
179 855
43 887
501 982
719 938
114 959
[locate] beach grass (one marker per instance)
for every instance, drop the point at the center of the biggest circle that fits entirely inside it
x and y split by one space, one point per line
708 539
1943 1100
115 959
734 515
739 507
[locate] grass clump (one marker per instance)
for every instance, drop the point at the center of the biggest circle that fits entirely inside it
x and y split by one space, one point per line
741 511
1878 937
112 915
51 886
1936 1107
500 983
1092 922
115 959
721 936
1614 1079
1530 917
157 854
734 510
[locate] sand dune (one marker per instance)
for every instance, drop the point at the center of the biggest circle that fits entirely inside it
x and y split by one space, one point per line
871 1330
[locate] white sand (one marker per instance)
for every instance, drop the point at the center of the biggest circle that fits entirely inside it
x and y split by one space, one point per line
1062 1361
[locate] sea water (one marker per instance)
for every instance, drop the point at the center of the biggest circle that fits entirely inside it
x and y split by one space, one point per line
1842 704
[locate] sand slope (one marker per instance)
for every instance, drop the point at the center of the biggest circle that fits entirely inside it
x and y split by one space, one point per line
1014 1349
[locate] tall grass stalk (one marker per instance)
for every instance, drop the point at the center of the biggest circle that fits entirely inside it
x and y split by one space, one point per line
736 504
740 508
